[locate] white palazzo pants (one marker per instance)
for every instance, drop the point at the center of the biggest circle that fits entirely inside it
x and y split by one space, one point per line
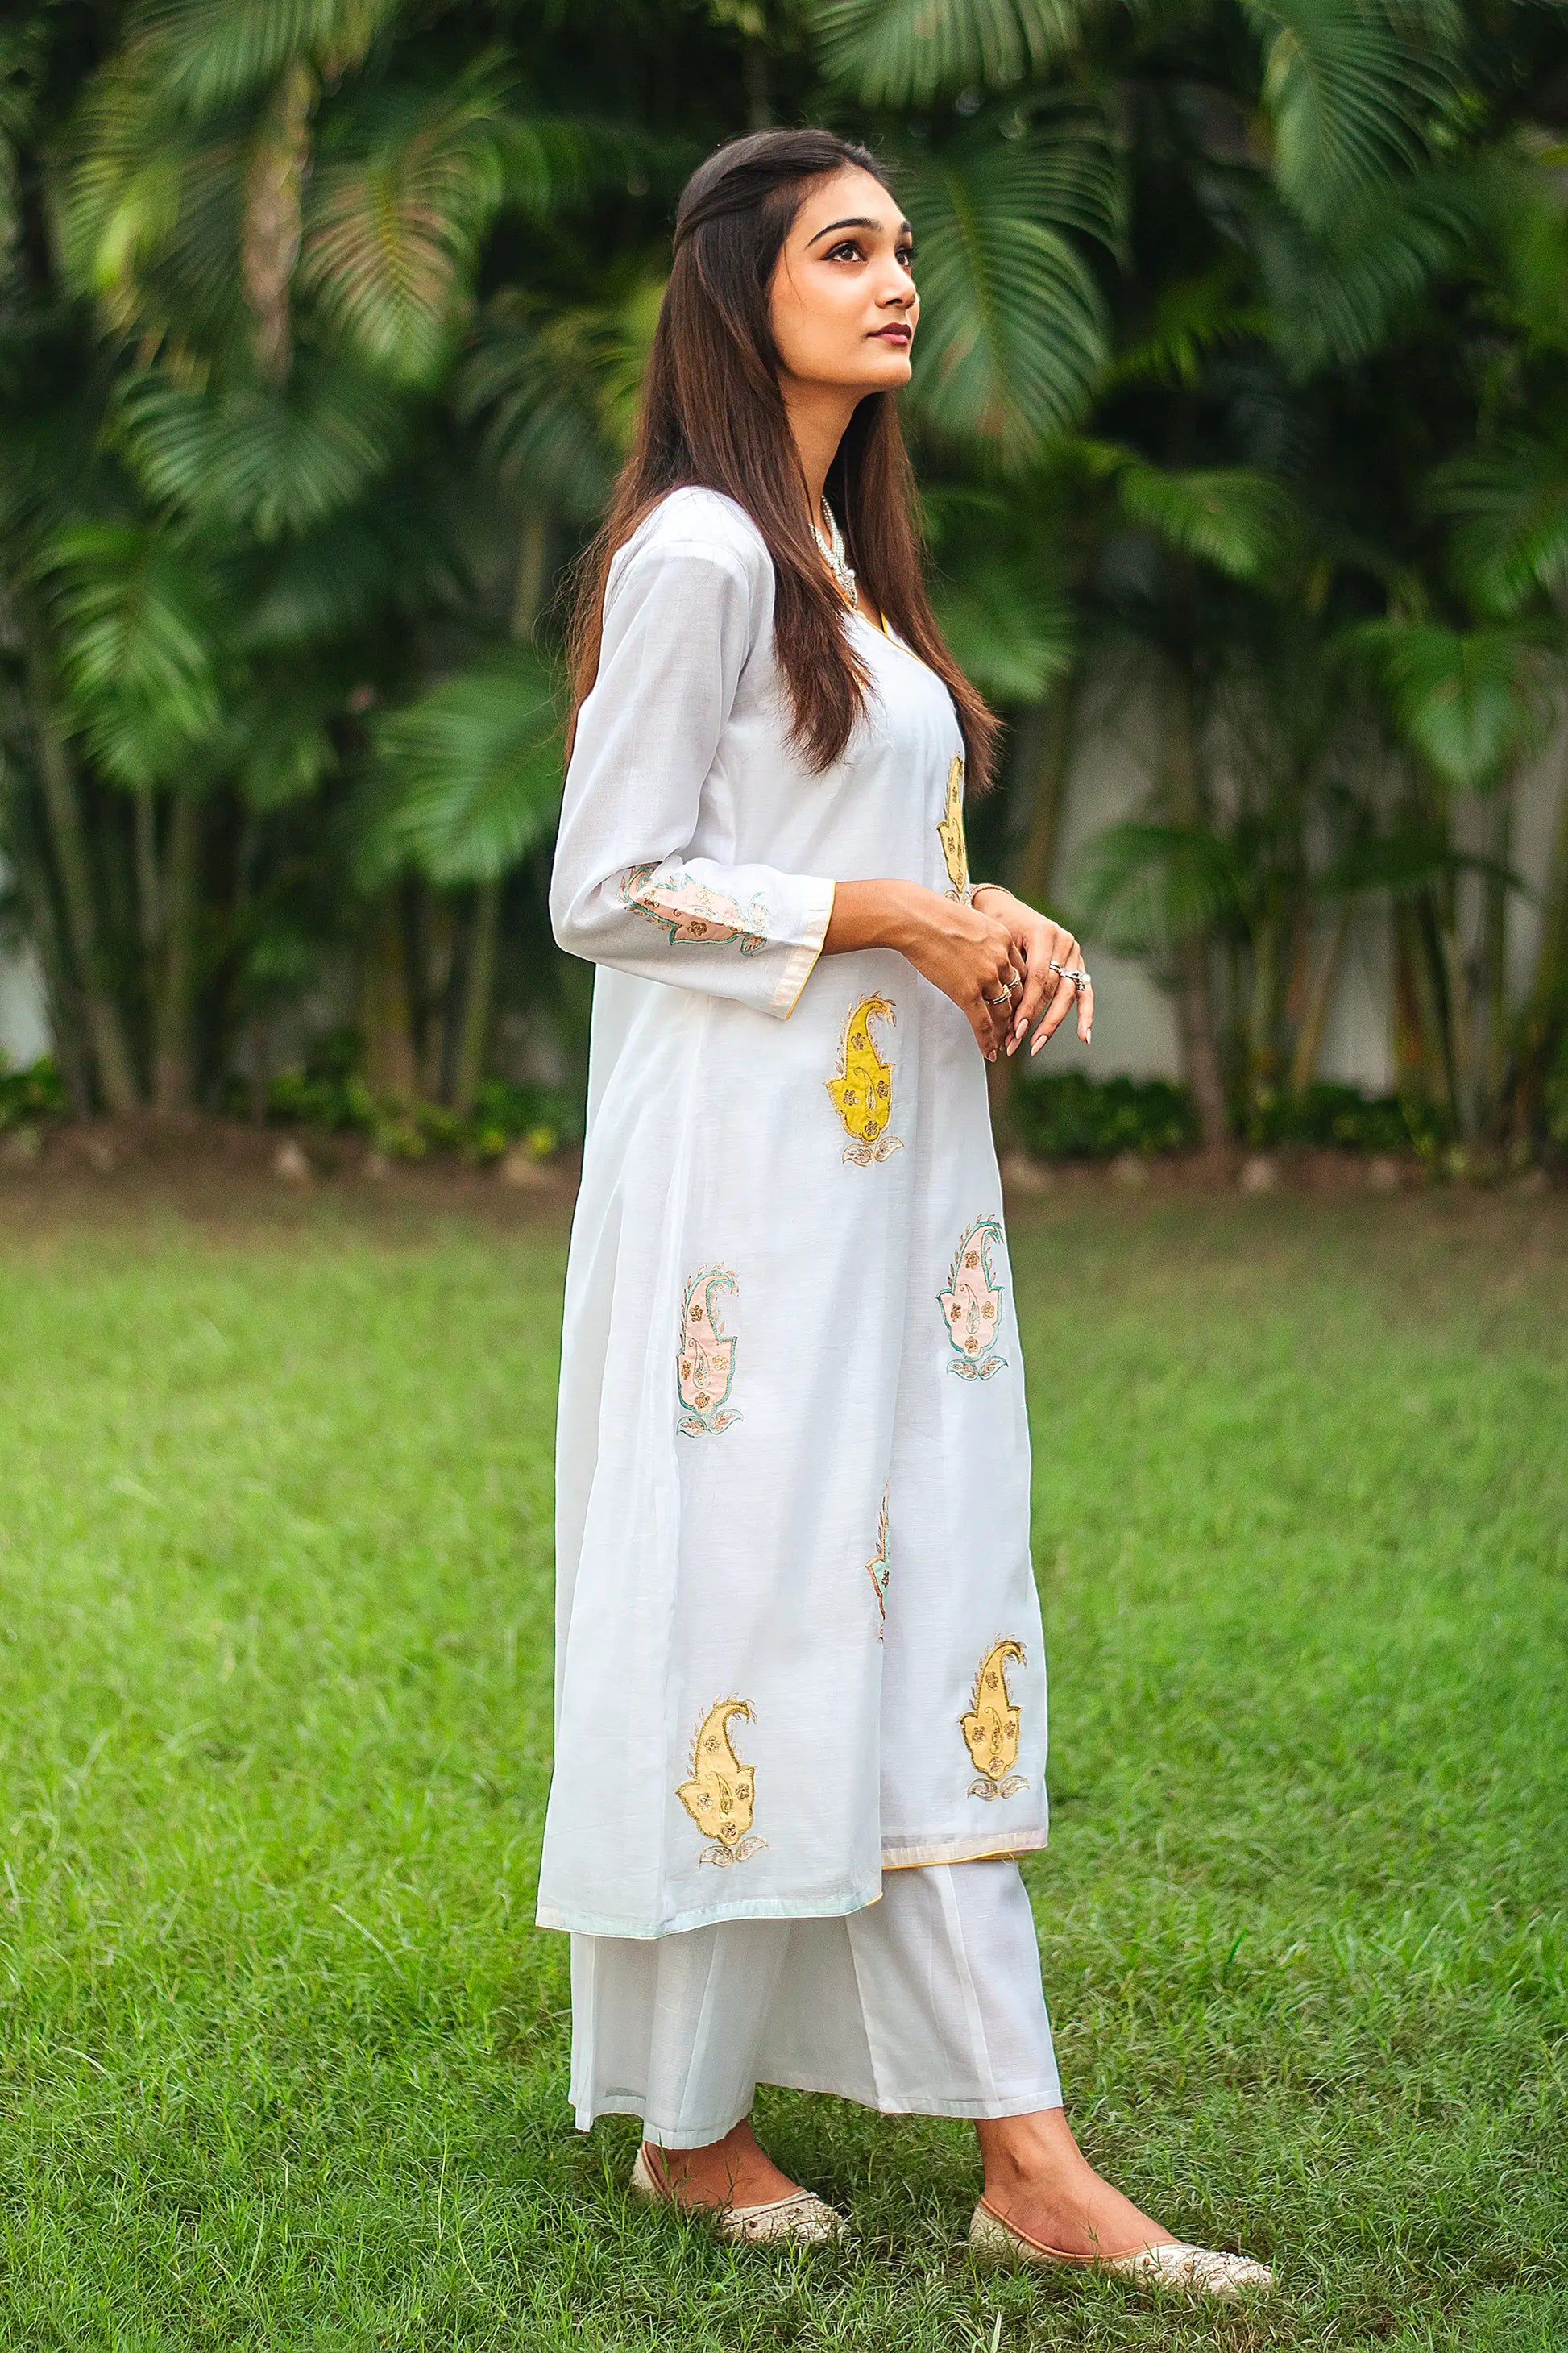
926 2003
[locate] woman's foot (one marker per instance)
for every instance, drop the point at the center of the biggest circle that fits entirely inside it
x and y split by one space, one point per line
1038 2179
731 2172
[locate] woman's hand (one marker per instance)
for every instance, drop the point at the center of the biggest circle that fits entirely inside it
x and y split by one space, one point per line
966 952
1037 945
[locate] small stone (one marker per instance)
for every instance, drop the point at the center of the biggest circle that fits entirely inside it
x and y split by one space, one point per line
1535 1180
377 1165
1022 1176
1259 1174
102 1156
1383 1173
289 1163
520 1170
1130 1169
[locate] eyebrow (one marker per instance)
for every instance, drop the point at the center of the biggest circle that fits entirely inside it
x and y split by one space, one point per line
860 220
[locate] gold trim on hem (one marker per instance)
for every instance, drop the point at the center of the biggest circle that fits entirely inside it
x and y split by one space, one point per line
917 1858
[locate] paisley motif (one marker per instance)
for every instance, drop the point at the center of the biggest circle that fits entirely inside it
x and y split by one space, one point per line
990 1728
949 827
690 914
705 1363
863 1091
719 1794
877 1569
971 1303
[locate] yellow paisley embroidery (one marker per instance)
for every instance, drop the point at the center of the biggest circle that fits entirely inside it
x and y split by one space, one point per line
863 1091
877 1569
719 1795
705 1362
971 1303
955 849
991 1726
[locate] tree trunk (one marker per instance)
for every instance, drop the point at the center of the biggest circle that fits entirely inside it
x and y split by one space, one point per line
532 573
269 234
61 998
1315 1014
478 993
1046 739
388 1025
62 805
1190 977
173 1059
1545 1015
1500 850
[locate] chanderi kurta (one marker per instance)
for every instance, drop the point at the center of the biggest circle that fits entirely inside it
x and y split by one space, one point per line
798 1639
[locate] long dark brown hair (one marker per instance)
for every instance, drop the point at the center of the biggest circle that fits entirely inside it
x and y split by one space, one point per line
712 415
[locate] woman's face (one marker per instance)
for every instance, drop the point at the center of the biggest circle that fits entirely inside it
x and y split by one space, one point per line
843 298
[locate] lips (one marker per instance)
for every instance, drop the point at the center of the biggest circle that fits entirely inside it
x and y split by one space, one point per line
899 335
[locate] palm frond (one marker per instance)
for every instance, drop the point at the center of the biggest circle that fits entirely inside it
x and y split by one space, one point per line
134 622
1238 520
892 52
1471 702
391 235
207 54
1337 299
1348 88
1144 886
1010 631
268 462
1510 507
1012 331
470 776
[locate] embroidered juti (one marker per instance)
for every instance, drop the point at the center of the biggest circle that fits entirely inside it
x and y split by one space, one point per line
798 1641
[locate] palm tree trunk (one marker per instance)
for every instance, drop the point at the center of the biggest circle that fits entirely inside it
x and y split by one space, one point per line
388 1024
1190 975
1545 1013
1315 1016
479 993
269 236
68 838
172 1058
1500 851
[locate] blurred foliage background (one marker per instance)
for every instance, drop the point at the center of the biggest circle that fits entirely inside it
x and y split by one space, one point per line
1245 360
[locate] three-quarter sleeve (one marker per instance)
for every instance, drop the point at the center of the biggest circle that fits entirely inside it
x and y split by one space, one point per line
626 889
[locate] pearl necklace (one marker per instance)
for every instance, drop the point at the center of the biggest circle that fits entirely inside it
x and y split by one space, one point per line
838 558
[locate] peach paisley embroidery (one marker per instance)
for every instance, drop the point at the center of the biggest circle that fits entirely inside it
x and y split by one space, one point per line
863 1091
705 1367
949 827
689 914
719 1793
971 1303
990 1726
877 1569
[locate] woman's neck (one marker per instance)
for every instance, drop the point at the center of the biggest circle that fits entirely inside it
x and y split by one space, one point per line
818 417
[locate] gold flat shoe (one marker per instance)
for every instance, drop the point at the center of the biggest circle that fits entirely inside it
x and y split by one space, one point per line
803 2217
1173 2264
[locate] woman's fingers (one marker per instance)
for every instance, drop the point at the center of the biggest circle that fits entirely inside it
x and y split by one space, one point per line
1039 981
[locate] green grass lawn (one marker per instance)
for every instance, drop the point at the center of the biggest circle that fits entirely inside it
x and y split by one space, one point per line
282 2057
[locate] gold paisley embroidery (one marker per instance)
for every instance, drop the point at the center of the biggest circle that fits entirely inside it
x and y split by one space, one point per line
955 849
691 913
991 1726
705 1365
971 1303
877 1569
719 1795
863 1091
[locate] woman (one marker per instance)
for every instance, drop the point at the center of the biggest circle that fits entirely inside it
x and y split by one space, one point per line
801 1703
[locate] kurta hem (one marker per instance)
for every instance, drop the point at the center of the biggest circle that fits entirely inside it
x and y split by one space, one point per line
758 1907
914 1858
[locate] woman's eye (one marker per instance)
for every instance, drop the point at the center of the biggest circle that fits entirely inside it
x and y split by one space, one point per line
835 252
907 256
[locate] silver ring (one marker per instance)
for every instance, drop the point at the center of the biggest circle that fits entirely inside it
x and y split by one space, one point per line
1074 973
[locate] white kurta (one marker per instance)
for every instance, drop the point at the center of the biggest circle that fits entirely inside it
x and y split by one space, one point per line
798 1639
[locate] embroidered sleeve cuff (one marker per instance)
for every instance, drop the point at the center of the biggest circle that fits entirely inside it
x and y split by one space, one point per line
800 961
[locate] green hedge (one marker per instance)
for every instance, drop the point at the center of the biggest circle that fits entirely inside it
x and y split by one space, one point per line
35 1094
1072 1117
